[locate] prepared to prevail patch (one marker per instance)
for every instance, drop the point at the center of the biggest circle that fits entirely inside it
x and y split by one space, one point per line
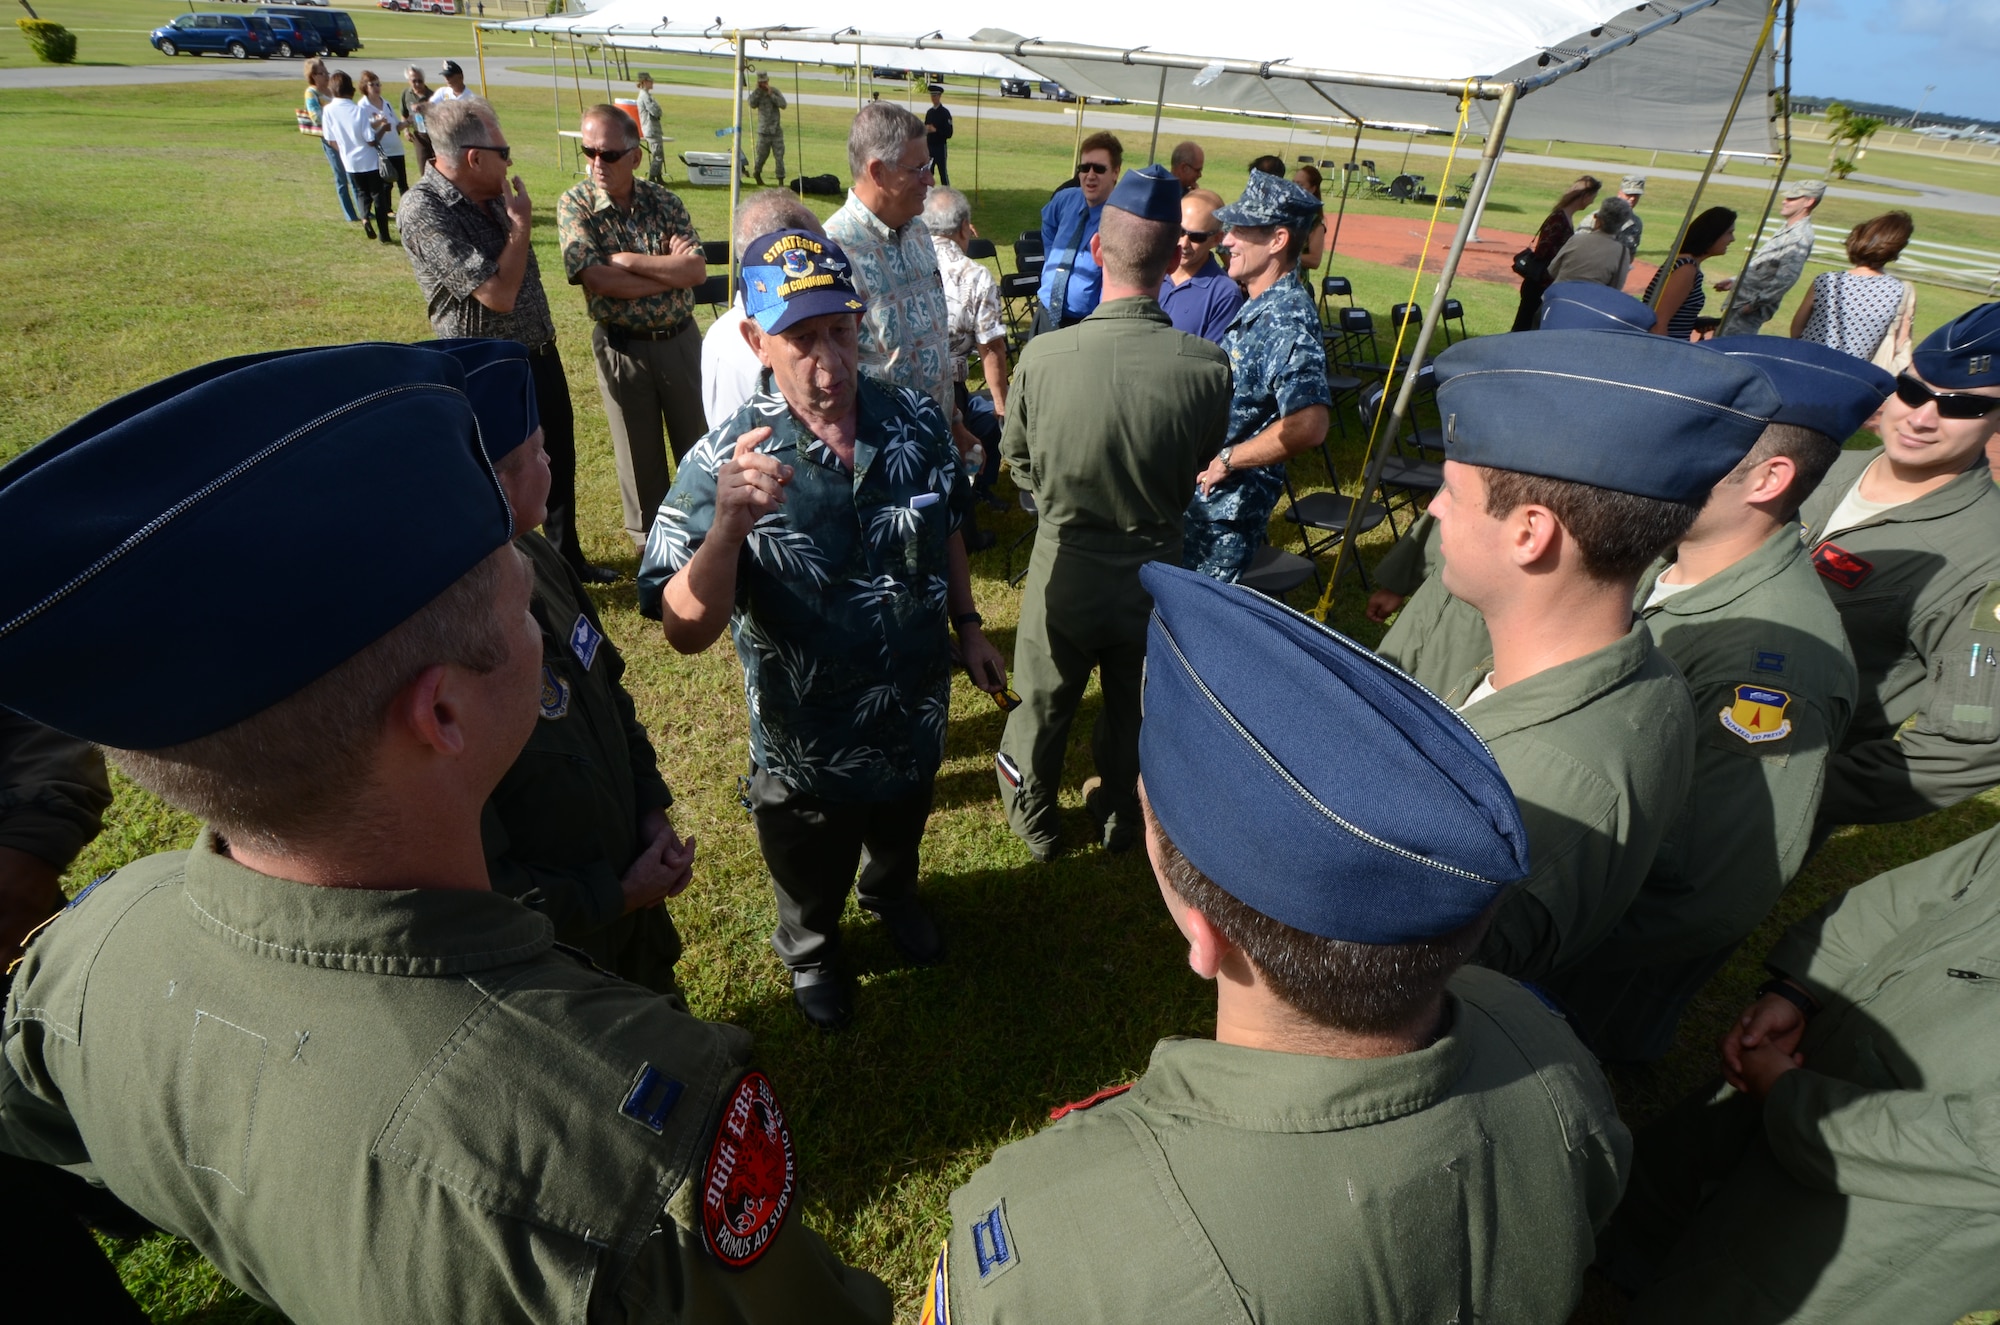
937 1302
752 1176
1758 715
555 694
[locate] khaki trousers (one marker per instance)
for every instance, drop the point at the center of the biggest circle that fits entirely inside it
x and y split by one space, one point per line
652 396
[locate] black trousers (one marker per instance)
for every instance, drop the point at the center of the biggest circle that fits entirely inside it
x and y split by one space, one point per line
44 1225
559 436
940 155
402 180
371 197
812 847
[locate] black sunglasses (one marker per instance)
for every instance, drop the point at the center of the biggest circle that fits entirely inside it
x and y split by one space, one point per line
606 153
1950 404
1198 236
506 153
1093 168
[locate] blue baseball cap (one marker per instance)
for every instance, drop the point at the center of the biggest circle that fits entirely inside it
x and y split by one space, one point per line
1823 389
1244 698
500 383
1271 201
1641 414
1959 355
1588 306
1151 194
339 490
789 275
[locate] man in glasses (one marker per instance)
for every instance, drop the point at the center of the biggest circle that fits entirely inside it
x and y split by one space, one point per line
630 244
1198 297
465 225
1070 278
1906 539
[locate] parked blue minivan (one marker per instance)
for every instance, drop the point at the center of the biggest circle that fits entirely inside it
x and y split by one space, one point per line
239 36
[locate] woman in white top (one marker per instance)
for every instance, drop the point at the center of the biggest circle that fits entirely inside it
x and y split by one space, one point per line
391 146
356 132
1864 311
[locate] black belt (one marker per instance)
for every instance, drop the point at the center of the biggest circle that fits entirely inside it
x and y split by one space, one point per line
616 334
543 351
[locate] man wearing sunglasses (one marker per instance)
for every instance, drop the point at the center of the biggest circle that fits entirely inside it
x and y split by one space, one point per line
633 248
1198 297
1906 539
1070 277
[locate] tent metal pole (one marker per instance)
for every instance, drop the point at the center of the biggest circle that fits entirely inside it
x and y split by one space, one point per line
857 75
735 160
978 96
555 95
1708 169
1433 314
479 49
604 49
1159 104
1076 152
1784 164
798 119
1346 178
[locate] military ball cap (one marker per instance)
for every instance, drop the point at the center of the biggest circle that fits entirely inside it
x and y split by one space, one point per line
1151 194
192 562
1960 354
1588 306
500 383
1823 389
789 275
1269 200
1246 702
1641 414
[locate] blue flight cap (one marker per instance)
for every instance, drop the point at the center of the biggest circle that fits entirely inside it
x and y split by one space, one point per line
1824 389
1151 194
500 383
1959 355
789 275
1588 306
1271 201
1641 414
333 492
1244 699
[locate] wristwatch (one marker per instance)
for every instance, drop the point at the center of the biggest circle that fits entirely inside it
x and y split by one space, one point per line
1223 456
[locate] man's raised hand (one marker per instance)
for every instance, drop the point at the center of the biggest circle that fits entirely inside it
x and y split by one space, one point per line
749 486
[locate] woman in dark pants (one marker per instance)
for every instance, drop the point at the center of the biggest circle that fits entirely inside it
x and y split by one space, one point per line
1555 232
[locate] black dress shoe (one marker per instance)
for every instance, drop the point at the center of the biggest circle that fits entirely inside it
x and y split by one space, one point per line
823 996
597 574
368 228
914 933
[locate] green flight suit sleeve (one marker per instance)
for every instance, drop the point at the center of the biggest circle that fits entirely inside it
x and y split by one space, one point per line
1951 750
577 901
1014 434
797 1279
53 791
1912 1146
649 790
1414 559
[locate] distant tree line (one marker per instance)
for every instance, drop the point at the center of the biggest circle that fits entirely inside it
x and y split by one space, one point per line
1896 115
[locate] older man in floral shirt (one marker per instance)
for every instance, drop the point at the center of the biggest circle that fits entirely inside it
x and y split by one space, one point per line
819 523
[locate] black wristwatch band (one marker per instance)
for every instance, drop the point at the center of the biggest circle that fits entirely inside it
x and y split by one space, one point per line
1791 993
964 619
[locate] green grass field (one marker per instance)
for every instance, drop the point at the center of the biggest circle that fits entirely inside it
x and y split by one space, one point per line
144 230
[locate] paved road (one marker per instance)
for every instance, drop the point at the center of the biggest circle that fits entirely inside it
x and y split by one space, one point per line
513 71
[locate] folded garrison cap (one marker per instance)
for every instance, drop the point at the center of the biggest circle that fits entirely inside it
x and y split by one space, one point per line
1823 388
501 386
1150 193
1806 188
1309 779
1588 306
1641 414
790 275
195 555
1959 354
1271 200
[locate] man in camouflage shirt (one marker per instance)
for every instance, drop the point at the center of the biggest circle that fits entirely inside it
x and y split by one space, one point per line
1777 266
769 103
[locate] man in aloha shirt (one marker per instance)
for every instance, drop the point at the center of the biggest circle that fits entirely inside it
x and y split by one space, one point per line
819 522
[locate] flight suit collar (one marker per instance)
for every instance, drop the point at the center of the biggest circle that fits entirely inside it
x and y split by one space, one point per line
416 932
1767 562
1548 695
1969 487
1138 307
1267 1091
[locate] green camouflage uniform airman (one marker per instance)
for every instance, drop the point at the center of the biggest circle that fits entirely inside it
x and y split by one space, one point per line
769 103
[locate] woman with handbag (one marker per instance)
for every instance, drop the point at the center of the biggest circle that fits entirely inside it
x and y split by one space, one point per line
1679 307
317 95
1532 264
1864 311
356 131
393 170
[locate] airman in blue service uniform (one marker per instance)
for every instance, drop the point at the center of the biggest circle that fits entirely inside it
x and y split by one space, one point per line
1108 423
1375 1133
1280 402
318 1045
1547 519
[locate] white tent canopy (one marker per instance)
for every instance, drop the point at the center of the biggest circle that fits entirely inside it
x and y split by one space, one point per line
1585 77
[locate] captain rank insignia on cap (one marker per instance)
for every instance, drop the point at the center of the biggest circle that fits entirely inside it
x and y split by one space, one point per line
555 694
584 639
1758 715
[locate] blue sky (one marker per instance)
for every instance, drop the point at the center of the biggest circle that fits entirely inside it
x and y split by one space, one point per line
1887 50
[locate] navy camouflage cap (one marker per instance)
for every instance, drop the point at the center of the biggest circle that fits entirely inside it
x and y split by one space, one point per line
1270 200
1959 354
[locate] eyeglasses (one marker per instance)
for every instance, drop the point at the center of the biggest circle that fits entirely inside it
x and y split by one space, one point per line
926 168
506 152
606 153
1198 236
1950 404
1093 168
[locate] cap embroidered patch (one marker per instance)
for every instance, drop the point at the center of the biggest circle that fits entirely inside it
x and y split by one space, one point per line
652 1098
584 639
555 694
993 1245
937 1302
752 1176
1836 563
1758 715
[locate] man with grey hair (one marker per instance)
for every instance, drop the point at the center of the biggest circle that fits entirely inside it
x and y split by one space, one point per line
465 226
1776 266
1597 255
1631 189
1186 163
974 326
729 367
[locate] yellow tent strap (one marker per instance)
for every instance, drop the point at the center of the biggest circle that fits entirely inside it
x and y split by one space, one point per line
1325 604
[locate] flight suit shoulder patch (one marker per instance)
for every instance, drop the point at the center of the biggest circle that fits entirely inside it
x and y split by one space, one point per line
937 1299
993 1243
555 694
584 639
1757 715
652 1098
1986 614
1062 1111
751 1179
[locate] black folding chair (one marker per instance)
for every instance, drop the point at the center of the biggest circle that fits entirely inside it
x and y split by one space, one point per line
1413 470
1018 292
1332 514
715 252
979 247
1453 312
714 292
1028 255
1358 349
1275 572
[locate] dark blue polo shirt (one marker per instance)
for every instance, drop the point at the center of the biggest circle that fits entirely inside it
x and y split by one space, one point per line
1204 304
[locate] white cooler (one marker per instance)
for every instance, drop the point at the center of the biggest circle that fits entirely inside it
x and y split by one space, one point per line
708 167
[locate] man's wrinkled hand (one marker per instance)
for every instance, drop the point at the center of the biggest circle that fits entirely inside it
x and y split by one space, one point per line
664 868
749 486
983 662
520 211
1213 477
1772 1024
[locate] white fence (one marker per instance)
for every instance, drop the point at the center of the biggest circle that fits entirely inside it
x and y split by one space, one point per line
1934 264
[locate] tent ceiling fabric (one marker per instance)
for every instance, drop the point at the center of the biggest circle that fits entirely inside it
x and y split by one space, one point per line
1670 89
